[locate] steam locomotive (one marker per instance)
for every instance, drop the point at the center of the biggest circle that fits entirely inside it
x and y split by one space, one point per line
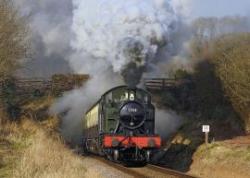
121 126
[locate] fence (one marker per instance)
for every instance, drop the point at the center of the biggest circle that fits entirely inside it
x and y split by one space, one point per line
164 83
58 83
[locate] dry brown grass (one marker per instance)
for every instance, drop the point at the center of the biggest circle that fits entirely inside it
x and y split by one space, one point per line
38 110
13 139
27 151
221 160
47 158
32 148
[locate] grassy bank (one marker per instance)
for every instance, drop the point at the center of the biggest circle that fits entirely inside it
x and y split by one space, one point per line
32 148
221 159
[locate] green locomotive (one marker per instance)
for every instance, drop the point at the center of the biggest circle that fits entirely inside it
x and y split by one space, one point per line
121 125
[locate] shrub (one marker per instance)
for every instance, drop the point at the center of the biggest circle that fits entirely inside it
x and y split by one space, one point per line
231 59
169 100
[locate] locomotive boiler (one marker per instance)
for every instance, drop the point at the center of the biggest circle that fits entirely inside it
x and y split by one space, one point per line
121 126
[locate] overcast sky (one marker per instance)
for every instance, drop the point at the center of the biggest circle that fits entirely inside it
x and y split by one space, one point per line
197 8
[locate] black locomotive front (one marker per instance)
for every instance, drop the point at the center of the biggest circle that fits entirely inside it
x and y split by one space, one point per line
132 115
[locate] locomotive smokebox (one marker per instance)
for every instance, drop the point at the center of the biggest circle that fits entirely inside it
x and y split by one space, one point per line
132 115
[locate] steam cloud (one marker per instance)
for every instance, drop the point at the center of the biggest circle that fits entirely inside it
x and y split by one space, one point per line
76 102
50 22
124 36
167 119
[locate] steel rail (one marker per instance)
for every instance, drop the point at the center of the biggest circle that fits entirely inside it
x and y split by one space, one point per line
169 171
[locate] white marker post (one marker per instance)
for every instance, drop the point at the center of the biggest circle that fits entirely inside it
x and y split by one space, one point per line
206 130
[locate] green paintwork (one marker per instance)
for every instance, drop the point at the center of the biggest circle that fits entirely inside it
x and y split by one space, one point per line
111 103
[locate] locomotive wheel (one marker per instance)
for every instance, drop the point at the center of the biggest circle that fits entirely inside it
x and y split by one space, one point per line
148 156
116 155
85 148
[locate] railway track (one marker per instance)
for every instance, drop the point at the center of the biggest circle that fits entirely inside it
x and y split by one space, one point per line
169 171
145 172
120 167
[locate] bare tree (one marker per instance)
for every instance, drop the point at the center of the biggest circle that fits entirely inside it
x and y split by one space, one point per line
209 28
14 43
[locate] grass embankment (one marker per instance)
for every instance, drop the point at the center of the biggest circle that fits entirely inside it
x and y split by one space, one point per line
189 138
32 148
227 155
221 159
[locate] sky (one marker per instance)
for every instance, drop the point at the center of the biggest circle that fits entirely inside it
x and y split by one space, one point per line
218 8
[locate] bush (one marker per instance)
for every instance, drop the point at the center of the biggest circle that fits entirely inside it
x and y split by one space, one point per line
169 100
181 74
10 99
231 59
208 89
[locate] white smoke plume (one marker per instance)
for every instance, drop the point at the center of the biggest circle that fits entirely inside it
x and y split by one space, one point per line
183 7
124 36
167 122
74 104
50 22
